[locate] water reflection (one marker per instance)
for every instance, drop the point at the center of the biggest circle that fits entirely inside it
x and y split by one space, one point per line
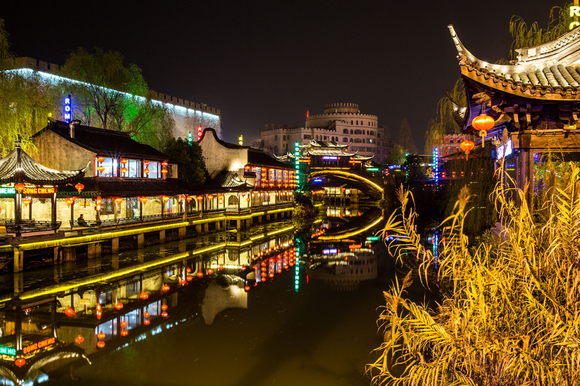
94 310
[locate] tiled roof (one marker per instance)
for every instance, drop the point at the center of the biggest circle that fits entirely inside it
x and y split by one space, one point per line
18 166
130 187
259 158
105 142
332 152
552 73
331 144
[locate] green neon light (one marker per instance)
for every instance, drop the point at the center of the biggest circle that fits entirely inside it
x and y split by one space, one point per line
373 238
7 190
7 351
373 169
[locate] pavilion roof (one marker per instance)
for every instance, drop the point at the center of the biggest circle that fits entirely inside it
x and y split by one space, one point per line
548 71
129 187
18 166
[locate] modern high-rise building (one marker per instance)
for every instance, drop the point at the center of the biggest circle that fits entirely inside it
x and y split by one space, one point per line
342 123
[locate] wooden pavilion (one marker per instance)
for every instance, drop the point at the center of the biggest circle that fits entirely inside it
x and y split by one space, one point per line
21 176
536 100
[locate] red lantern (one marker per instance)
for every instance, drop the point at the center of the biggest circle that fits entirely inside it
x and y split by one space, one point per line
79 187
188 270
164 163
467 146
189 198
101 169
189 278
20 362
146 314
124 333
123 170
69 312
182 282
144 295
146 171
119 305
123 161
247 288
200 274
69 201
123 324
165 287
199 198
164 307
146 163
146 322
101 335
26 201
79 339
100 344
164 314
101 159
118 200
164 171
19 187
165 198
210 271
483 123
144 200
221 267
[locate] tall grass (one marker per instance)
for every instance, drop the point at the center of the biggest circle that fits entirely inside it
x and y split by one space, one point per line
510 306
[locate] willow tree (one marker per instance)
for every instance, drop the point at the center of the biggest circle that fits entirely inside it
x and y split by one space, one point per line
525 36
444 122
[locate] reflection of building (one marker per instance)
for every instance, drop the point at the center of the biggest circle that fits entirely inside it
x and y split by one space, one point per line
344 271
342 123
187 115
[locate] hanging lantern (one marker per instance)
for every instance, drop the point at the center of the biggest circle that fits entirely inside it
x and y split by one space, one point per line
467 146
123 161
189 278
123 324
69 201
79 339
182 282
210 197
210 271
165 287
165 198
123 170
101 169
200 274
221 267
181 198
118 200
70 312
101 159
247 288
26 200
100 344
189 198
164 163
164 171
19 187
199 198
144 200
164 307
146 322
144 296
101 335
146 163
79 187
146 171
483 123
119 306
188 270
124 333
146 314
20 362
164 314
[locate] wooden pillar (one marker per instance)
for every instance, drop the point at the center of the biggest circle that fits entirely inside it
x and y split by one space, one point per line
56 254
182 232
141 240
17 213
162 236
206 228
140 210
18 282
18 260
115 245
53 211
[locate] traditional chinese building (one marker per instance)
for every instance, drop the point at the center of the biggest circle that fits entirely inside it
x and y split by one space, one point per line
535 100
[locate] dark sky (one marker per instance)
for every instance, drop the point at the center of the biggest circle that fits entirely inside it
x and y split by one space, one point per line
271 61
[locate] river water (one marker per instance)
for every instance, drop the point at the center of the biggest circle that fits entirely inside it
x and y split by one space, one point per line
314 323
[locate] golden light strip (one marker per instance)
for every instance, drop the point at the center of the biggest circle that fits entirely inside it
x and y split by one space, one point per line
352 233
355 176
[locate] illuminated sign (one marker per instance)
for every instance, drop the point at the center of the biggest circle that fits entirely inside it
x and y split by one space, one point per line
436 166
7 351
241 140
297 164
372 169
317 180
329 157
373 238
332 251
199 133
189 138
9 190
37 346
574 12
354 246
67 109
38 190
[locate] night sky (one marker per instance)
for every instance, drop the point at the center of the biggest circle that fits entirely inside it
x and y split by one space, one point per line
270 61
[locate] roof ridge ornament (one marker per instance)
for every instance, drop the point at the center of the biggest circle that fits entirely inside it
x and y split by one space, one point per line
17 141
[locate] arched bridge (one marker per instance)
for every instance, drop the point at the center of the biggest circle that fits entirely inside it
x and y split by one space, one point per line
364 184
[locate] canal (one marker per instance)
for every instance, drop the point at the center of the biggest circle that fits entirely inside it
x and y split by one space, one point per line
262 307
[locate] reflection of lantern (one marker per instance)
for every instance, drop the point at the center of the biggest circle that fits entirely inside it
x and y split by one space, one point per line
146 322
188 270
247 288
79 187
144 200
221 266
101 335
182 282
123 324
19 187
26 201
20 362
69 312
200 274
164 307
210 271
164 314
79 339
483 123
100 344
189 278
146 314
119 305
144 295
467 146
124 333
101 159
165 287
